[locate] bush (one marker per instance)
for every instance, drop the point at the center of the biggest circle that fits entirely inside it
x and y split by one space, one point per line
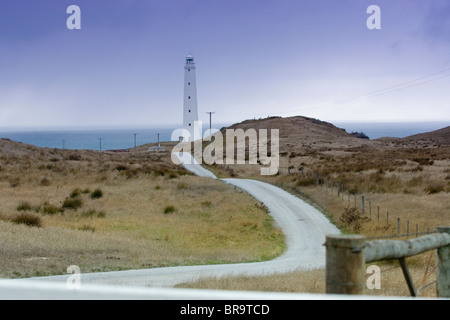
91 213
304 182
27 219
86 227
182 186
172 175
434 188
50 209
169 209
96 194
75 193
45 182
72 203
360 135
24 206
353 218
121 167
207 203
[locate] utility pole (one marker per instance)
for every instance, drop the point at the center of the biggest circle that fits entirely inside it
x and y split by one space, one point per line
158 139
135 140
210 114
100 143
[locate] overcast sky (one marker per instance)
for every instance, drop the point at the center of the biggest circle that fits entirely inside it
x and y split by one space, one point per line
255 58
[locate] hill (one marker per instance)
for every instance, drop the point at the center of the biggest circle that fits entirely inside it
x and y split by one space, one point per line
436 138
303 131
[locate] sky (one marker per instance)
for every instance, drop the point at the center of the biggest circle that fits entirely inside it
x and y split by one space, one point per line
254 59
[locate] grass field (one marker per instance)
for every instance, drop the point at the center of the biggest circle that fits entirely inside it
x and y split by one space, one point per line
107 212
152 213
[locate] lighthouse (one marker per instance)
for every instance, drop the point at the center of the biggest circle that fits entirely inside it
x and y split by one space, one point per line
190 108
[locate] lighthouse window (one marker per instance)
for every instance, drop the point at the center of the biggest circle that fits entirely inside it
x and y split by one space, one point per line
189 124
189 97
189 83
189 111
189 69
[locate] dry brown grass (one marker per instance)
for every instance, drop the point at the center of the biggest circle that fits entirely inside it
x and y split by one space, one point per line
409 178
126 227
392 282
402 178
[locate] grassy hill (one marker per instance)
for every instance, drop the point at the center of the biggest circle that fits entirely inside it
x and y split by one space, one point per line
405 181
408 177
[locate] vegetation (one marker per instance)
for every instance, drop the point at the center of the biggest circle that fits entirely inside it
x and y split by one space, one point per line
169 209
96 194
360 135
105 211
25 218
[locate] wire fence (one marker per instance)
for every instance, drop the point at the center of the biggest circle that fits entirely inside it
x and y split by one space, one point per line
400 228
403 228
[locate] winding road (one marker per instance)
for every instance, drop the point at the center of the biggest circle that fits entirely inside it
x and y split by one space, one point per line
304 228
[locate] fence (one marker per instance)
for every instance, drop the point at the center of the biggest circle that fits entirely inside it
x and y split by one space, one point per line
404 228
346 256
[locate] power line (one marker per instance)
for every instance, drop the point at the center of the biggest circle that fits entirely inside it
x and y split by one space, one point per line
393 88
397 87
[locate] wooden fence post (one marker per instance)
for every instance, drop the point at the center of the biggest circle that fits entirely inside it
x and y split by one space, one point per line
443 268
345 273
363 205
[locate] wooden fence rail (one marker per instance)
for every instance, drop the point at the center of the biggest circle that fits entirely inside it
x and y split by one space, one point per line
347 255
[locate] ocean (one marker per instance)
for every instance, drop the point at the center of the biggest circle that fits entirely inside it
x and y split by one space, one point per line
124 138
375 130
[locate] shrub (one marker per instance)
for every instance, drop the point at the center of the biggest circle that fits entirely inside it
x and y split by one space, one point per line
360 135
74 157
87 227
172 175
121 167
182 186
50 209
28 219
354 218
434 188
304 182
45 182
24 206
207 203
91 213
169 209
72 203
14 182
75 193
96 194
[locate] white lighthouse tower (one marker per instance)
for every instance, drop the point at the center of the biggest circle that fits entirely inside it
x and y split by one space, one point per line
190 108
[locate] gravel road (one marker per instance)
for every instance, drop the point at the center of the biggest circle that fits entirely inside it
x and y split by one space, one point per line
304 227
